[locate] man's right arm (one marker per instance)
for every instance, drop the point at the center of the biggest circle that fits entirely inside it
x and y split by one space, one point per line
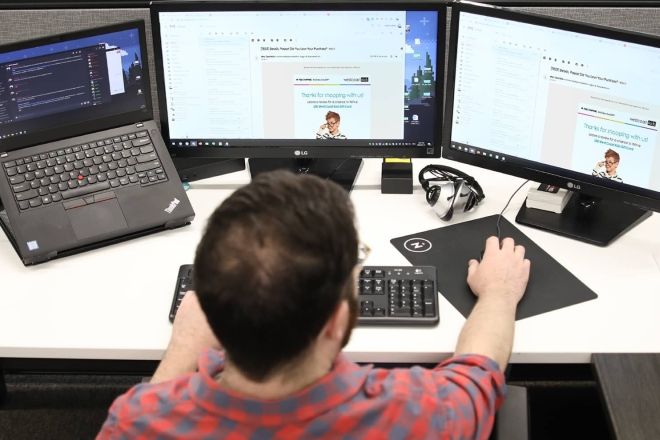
499 282
191 335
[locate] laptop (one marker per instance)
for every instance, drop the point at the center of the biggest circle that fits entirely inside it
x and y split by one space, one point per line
82 162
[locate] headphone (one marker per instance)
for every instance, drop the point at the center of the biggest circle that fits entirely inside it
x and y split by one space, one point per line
454 190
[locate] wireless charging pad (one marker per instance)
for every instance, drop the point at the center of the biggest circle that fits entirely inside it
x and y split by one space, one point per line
551 286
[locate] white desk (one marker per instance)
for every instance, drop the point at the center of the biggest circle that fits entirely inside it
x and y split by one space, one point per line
67 309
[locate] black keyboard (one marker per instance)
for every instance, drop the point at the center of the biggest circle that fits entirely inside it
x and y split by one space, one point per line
387 295
67 174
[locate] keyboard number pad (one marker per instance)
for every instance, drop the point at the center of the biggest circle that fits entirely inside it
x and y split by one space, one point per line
406 298
394 293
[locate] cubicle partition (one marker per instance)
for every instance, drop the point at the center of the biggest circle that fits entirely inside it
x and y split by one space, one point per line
640 19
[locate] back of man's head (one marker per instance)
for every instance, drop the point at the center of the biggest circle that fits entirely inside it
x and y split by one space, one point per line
274 263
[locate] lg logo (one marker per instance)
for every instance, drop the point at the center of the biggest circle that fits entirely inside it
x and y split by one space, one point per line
417 245
572 185
300 153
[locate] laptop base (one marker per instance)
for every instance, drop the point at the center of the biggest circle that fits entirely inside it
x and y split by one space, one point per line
6 227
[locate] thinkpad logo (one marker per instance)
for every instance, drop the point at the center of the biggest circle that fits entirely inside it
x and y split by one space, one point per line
173 204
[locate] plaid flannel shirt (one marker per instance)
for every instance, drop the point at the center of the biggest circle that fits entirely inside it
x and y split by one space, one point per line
456 399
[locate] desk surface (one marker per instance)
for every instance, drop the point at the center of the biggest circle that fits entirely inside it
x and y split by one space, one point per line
113 303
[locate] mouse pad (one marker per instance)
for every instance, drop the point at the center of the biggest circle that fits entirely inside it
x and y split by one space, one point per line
551 286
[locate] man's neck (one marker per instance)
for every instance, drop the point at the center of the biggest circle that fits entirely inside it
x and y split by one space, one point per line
287 381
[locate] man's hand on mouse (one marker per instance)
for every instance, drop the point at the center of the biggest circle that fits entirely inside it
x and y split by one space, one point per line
503 271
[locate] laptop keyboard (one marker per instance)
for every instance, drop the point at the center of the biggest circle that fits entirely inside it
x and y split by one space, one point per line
86 173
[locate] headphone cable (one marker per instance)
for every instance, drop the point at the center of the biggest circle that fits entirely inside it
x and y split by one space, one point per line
499 238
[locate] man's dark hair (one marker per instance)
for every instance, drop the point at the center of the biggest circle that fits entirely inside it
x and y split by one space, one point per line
274 263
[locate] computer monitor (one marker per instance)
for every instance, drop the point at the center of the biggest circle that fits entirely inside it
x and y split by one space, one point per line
314 87
562 103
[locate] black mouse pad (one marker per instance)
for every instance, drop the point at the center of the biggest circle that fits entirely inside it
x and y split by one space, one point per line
551 286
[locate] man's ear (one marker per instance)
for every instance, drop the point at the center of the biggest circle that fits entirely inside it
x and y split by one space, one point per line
337 323
336 326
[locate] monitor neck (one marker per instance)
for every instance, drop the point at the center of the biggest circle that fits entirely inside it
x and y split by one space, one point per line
342 171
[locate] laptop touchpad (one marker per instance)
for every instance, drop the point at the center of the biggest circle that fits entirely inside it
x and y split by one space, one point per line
97 219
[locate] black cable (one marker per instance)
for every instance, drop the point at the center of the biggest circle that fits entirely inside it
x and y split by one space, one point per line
504 209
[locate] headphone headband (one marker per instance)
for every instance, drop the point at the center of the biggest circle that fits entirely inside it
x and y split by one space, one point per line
446 174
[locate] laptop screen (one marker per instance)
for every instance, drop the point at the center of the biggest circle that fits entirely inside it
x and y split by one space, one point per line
73 84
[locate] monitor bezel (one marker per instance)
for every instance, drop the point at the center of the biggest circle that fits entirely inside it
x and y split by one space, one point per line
536 171
104 123
300 148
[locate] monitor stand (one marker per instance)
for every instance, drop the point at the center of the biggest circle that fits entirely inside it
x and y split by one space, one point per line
342 171
593 220
195 168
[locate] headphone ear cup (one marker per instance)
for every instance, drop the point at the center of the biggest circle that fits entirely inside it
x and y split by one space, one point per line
462 194
449 214
471 202
444 199
432 194
474 198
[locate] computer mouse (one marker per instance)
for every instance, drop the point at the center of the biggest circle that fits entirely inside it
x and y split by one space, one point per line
483 249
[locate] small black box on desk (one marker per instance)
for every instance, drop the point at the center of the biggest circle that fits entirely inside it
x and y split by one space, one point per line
396 176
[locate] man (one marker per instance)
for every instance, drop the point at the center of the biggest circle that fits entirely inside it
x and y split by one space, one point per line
607 168
330 130
275 276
